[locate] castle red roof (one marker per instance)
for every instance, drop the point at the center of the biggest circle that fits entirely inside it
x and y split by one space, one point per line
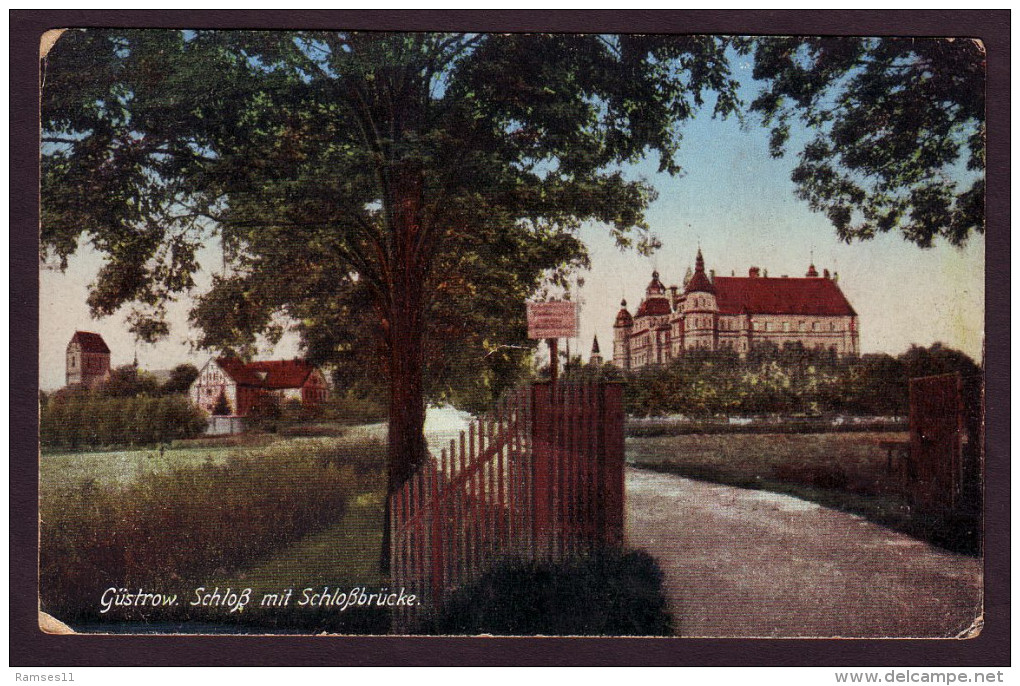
758 295
623 317
699 282
654 307
90 342
655 286
275 374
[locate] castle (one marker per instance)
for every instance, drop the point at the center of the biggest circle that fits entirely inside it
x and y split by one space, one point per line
716 313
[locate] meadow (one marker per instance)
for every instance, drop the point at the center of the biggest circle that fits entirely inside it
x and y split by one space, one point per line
291 513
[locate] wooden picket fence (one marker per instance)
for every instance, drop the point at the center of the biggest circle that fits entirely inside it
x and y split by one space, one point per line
538 477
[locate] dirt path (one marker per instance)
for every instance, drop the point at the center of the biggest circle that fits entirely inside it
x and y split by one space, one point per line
752 563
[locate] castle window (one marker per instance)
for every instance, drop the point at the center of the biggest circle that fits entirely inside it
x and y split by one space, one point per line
814 326
786 326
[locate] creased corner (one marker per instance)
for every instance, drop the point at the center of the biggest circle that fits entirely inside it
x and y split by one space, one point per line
974 630
49 624
48 40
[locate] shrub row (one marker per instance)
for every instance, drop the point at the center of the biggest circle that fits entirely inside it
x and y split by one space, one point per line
94 421
608 593
791 381
170 529
640 428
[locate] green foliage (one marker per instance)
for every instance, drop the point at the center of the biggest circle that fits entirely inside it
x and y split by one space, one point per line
435 180
608 593
222 406
899 130
181 378
352 408
792 381
79 420
170 530
128 381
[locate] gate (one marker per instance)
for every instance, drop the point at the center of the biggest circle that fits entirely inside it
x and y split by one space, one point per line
936 468
538 477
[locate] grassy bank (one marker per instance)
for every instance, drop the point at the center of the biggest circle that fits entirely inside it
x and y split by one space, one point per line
845 471
172 522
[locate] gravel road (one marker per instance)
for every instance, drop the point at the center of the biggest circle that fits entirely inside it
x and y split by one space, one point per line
744 563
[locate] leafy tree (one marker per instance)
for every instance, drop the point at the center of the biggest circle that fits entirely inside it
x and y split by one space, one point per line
181 378
128 381
222 406
435 180
899 130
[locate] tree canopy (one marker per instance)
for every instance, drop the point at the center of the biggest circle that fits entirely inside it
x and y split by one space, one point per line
397 196
898 128
434 180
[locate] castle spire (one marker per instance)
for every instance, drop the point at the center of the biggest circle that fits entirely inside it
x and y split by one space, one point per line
699 281
596 357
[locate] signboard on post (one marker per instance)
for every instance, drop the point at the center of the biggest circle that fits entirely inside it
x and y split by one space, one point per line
555 319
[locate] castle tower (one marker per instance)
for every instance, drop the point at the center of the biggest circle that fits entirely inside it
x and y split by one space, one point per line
700 310
596 356
622 328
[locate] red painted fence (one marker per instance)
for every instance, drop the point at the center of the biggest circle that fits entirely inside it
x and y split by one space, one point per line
540 476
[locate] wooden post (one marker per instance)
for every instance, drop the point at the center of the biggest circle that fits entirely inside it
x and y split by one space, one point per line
554 358
611 461
541 478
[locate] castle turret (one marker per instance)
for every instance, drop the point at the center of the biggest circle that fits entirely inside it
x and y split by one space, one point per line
621 337
596 356
700 310
699 283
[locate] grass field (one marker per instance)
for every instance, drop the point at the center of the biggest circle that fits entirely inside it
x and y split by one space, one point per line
94 493
845 471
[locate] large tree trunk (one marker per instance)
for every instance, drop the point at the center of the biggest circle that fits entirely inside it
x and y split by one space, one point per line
407 450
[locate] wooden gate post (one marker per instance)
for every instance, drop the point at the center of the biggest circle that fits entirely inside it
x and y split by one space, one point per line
542 475
610 463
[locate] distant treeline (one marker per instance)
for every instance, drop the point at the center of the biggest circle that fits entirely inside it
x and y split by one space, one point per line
787 381
92 420
131 407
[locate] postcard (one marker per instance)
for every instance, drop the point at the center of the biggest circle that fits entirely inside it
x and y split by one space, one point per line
511 334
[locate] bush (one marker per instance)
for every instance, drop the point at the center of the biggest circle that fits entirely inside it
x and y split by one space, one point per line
168 529
351 409
609 593
792 381
78 420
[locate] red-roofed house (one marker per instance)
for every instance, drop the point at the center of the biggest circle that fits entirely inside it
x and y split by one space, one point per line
245 385
735 313
88 359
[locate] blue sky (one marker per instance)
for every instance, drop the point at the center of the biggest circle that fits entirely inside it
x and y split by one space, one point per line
734 200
